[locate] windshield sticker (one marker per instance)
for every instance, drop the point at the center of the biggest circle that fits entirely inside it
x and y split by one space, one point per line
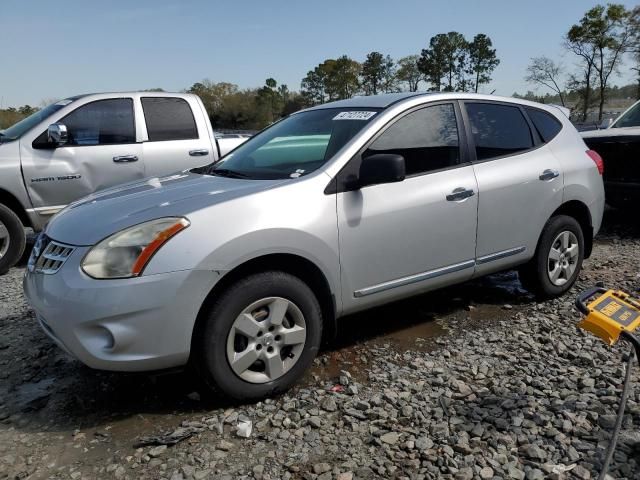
297 173
357 115
62 103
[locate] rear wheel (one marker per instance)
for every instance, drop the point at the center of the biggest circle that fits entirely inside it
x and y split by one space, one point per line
558 259
258 337
12 239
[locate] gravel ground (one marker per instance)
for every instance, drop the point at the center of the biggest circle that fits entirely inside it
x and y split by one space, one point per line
475 381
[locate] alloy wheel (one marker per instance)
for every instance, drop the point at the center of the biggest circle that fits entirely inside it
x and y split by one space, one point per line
563 258
266 340
4 240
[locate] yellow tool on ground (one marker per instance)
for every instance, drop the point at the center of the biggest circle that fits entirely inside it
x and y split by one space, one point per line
613 314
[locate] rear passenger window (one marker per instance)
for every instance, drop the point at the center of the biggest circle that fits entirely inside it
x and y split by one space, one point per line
546 124
426 138
498 130
168 118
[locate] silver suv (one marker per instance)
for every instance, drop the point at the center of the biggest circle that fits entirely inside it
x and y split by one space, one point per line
241 267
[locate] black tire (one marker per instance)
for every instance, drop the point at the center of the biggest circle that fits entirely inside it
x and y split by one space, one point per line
209 357
12 252
534 275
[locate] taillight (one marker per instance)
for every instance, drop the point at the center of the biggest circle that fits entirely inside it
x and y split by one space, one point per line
597 159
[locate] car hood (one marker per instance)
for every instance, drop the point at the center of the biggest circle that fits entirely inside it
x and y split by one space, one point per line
97 216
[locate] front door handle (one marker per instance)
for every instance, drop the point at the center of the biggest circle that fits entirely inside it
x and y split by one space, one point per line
125 159
460 193
548 174
199 153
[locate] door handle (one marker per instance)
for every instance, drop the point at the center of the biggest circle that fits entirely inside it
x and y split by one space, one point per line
460 193
199 153
125 159
548 174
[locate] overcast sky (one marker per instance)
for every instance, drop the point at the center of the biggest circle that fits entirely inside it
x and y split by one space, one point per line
50 50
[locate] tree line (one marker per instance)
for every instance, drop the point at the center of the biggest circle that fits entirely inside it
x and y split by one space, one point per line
599 44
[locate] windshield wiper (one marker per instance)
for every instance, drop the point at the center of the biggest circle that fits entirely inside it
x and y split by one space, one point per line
225 172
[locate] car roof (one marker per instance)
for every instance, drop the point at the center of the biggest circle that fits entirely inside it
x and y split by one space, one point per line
386 100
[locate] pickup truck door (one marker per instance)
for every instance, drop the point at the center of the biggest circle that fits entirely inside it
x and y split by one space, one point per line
178 135
101 152
397 239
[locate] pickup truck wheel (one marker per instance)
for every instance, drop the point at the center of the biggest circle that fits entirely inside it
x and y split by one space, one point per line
258 337
558 259
12 239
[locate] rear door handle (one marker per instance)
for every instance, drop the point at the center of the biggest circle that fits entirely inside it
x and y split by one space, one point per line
125 159
199 153
548 174
460 193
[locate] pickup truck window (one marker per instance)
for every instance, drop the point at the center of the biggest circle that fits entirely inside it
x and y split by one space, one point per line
168 118
295 146
629 119
103 122
23 126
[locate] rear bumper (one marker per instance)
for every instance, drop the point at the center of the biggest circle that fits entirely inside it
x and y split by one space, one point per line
137 324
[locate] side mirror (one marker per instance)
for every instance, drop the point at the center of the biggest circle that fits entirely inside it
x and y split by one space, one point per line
57 134
381 168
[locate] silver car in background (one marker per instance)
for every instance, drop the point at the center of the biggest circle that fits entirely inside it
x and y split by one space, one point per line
241 267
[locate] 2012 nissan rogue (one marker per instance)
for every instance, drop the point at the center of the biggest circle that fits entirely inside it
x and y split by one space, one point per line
239 267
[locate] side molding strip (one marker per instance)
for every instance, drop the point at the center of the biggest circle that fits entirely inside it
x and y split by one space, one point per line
419 277
498 255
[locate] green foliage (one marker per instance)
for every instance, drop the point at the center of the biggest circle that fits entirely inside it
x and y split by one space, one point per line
333 79
409 73
601 38
12 115
451 63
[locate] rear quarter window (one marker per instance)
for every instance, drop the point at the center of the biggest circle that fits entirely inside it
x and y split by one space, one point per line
168 118
546 124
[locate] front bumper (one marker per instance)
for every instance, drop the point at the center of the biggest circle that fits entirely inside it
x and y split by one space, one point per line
136 324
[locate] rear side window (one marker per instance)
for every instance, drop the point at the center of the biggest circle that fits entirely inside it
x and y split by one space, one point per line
498 130
103 122
546 124
426 138
168 118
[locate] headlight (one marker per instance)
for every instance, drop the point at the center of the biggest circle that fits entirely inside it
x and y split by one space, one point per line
126 253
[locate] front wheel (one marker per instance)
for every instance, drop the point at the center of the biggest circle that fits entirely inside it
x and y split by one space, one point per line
258 337
12 239
558 259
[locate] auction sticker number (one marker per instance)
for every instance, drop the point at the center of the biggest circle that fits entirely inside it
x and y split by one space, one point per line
356 115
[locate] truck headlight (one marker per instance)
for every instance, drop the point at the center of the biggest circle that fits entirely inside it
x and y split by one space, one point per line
126 253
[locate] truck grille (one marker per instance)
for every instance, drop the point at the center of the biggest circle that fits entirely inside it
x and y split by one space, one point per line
48 256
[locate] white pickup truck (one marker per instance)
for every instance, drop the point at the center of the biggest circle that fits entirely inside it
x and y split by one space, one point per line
83 144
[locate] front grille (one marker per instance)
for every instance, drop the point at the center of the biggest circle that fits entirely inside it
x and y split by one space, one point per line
52 257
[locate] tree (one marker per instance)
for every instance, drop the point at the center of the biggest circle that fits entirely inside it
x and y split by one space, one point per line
313 86
634 22
373 72
389 75
607 33
546 72
444 61
482 60
409 73
342 77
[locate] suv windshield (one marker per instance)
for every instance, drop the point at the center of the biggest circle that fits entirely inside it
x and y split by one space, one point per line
23 126
295 146
629 119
